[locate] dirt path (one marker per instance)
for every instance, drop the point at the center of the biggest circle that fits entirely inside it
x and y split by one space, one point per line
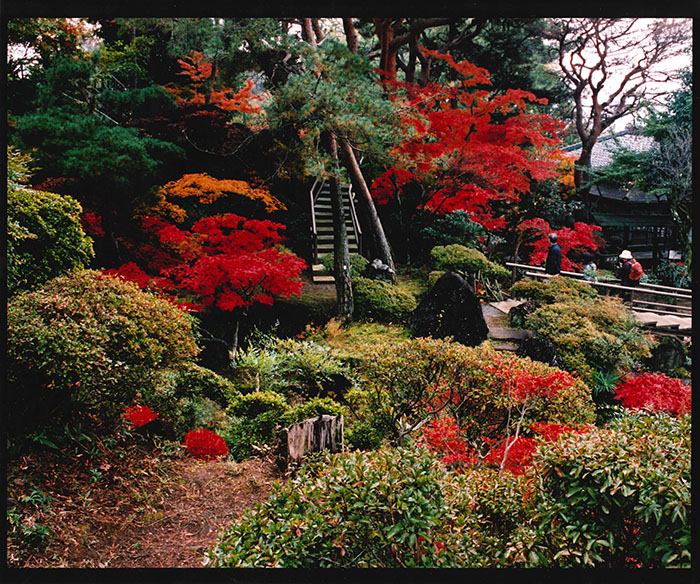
165 515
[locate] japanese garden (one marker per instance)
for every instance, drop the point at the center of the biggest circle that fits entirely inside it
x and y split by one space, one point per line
348 292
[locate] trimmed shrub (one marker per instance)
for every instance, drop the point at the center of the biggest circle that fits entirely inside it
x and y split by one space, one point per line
406 382
618 497
313 408
358 263
88 344
458 258
191 397
553 290
253 423
592 334
383 509
381 301
656 392
44 237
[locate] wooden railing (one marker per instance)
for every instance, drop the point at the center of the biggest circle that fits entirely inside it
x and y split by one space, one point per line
314 192
654 290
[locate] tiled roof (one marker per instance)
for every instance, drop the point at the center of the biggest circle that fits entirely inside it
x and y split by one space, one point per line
606 146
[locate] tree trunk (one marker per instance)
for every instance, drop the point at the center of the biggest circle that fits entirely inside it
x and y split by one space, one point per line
351 35
341 252
358 180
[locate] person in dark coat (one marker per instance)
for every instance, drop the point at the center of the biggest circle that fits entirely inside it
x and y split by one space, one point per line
553 263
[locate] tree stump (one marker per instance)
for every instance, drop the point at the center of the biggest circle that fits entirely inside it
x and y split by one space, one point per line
314 435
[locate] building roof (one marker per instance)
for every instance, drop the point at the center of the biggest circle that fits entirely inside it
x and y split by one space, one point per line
606 146
632 195
632 220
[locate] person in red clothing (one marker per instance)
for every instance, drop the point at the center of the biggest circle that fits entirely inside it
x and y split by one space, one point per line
630 271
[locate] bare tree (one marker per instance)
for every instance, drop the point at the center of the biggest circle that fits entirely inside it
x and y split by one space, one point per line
614 67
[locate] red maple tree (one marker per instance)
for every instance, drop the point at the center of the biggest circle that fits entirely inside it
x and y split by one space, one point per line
580 240
469 149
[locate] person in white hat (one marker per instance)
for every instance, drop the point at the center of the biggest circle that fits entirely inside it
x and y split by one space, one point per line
630 271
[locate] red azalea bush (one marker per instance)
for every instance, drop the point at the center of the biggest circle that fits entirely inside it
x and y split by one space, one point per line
654 391
205 444
442 435
139 415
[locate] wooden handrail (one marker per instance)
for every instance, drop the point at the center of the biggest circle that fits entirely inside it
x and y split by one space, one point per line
617 286
314 233
355 220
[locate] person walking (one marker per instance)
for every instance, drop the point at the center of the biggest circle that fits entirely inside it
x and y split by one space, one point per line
553 263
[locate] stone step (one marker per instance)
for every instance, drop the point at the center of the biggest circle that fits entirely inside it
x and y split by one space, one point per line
504 346
323 279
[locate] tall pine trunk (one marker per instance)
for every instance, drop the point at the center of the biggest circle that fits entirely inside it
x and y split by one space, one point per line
341 251
378 235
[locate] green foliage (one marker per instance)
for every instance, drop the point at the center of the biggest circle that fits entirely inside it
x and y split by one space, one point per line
293 367
492 519
358 263
592 334
458 258
87 344
253 423
377 510
673 273
315 407
381 301
454 228
44 235
190 397
553 290
406 382
618 497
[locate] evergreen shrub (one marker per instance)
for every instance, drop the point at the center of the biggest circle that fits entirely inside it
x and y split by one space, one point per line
381 301
88 344
458 258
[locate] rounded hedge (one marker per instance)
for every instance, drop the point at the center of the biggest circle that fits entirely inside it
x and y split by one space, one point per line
381 301
87 343
45 238
458 258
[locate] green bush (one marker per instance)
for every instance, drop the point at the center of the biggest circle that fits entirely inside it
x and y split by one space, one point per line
553 290
190 397
293 367
673 273
403 382
381 510
253 421
458 258
358 263
44 235
87 344
618 497
592 334
381 301
313 408
455 227
493 519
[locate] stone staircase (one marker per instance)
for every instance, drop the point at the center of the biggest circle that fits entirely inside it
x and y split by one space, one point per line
323 215
502 337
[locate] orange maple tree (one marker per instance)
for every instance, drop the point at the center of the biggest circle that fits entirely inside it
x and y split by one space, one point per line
203 87
206 190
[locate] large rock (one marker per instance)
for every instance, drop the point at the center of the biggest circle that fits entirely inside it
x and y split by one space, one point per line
450 309
541 349
378 270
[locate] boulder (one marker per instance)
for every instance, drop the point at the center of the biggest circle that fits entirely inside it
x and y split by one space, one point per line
541 349
450 309
378 270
